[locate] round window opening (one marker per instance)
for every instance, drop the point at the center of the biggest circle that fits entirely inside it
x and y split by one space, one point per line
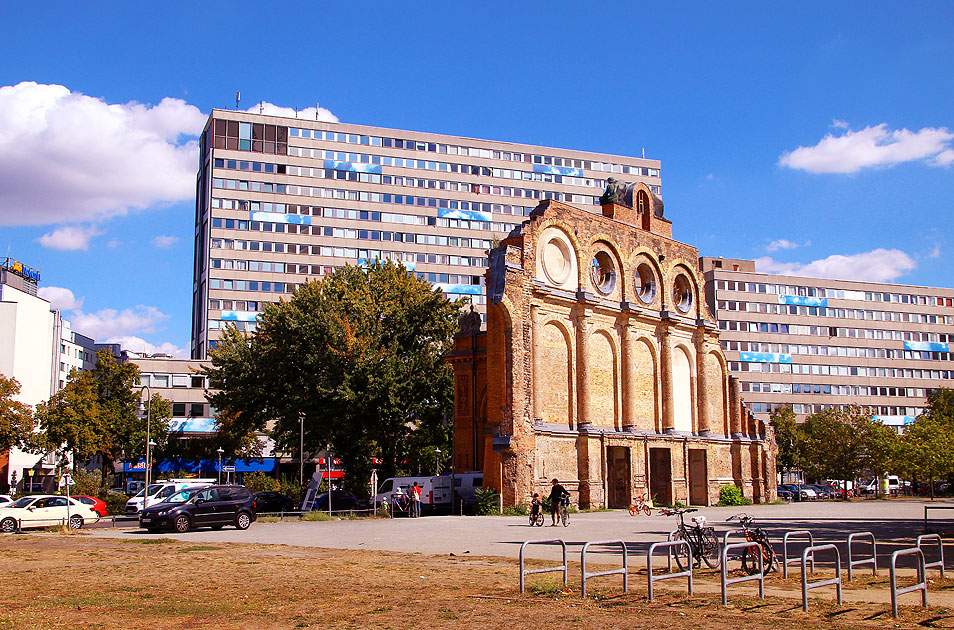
603 273
645 283
682 294
556 261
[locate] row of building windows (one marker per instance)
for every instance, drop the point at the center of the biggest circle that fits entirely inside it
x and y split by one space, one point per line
251 285
279 267
835 390
840 294
834 351
809 408
352 233
827 331
352 215
450 149
840 313
171 380
836 370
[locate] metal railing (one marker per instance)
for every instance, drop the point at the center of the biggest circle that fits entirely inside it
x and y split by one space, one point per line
624 571
525 572
806 585
921 584
785 559
760 576
669 545
939 564
731 532
873 560
933 507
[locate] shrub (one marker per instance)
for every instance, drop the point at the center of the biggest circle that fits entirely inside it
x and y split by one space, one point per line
258 481
521 509
732 495
116 503
486 503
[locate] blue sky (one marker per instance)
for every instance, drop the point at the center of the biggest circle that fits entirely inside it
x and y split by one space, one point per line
815 137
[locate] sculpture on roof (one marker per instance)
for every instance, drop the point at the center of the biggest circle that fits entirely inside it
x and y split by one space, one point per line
469 323
615 191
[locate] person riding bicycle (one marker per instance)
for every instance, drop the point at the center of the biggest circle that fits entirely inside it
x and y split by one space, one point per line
557 494
535 505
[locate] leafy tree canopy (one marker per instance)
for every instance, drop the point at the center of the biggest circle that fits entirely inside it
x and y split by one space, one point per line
788 438
357 358
16 418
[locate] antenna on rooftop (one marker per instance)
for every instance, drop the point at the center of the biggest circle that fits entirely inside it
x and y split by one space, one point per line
261 106
296 111
316 110
238 98
644 153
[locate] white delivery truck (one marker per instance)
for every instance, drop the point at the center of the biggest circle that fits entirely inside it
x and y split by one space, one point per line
160 490
435 491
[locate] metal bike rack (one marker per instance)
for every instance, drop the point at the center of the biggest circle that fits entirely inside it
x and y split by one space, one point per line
731 532
524 572
669 545
670 539
806 585
624 571
785 559
873 560
760 576
940 550
922 580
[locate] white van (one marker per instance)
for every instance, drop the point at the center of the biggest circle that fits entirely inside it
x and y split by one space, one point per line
889 485
160 490
435 491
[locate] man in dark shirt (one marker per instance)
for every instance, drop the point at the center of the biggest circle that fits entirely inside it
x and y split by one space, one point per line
557 492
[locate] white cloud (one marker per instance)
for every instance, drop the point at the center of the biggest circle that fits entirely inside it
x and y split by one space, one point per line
68 237
137 344
936 252
289 112
60 299
109 322
68 157
879 265
780 243
165 242
872 147
113 244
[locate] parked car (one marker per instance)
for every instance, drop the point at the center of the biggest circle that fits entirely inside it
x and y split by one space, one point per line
340 500
5 498
797 493
210 506
889 485
785 493
44 510
273 502
807 492
161 490
823 492
98 505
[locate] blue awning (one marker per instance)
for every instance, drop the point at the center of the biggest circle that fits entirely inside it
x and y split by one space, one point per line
265 464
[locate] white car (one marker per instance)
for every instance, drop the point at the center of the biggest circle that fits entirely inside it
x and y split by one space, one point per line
4 499
45 510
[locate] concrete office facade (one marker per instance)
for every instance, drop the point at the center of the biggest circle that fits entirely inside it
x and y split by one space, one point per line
281 200
818 343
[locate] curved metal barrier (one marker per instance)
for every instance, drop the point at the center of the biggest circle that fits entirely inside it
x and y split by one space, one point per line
524 572
624 571
669 545
873 560
785 559
922 580
731 532
760 576
806 585
940 550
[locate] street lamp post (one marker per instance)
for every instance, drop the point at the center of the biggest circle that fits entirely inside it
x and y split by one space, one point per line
149 442
220 451
437 456
301 451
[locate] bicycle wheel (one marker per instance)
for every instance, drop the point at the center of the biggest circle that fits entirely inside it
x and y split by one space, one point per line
633 509
538 520
648 511
750 561
711 548
564 515
680 553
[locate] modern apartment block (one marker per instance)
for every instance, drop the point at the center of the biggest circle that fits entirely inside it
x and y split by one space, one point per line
280 201
818 343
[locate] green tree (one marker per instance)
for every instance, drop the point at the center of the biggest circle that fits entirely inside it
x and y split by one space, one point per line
843 443
96 415
788 437
16 418
357 358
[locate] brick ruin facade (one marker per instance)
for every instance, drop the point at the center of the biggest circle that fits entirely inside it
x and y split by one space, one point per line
601 367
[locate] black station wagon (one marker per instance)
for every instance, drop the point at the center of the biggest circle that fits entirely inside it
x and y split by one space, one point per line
211 506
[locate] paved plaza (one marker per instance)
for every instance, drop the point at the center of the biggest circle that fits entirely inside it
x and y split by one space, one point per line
896 523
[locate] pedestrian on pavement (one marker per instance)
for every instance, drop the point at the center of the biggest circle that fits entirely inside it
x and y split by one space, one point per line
557 492
416 500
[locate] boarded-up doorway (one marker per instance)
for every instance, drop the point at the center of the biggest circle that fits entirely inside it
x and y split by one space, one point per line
698 477
660 476
618 477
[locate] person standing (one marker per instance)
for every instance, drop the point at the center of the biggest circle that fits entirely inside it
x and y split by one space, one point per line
416 500
557 492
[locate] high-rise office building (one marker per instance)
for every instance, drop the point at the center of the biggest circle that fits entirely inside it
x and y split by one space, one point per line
818 343
280 201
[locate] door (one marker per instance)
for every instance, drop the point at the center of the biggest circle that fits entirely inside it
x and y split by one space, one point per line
619 477
205 504
660 476
698 477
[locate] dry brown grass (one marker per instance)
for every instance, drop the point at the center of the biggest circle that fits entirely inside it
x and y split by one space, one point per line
53 582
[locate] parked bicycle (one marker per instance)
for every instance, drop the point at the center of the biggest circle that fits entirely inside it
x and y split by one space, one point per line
638 505
701 538
750 559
